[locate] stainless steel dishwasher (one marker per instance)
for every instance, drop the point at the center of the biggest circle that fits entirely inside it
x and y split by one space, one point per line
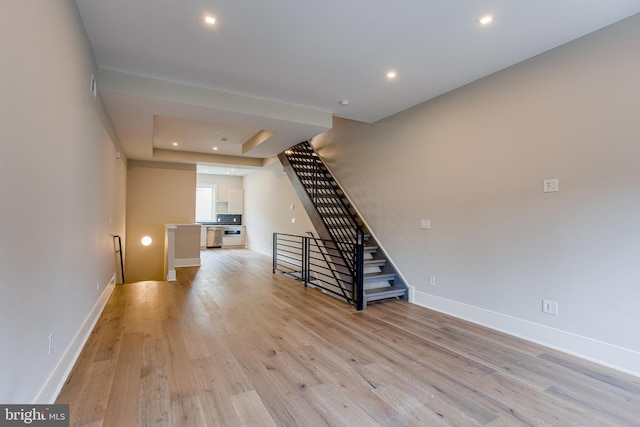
214 237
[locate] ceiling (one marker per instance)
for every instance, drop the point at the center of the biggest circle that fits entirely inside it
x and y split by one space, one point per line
269 74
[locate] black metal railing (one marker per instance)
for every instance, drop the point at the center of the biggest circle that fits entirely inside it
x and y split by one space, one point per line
117 244
320 263
328 199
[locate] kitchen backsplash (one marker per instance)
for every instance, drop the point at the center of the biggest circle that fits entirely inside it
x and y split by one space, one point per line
229 219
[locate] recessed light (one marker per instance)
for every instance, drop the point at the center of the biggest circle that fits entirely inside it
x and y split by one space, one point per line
215 148
485 20
210 20
392 75
175 144
343 102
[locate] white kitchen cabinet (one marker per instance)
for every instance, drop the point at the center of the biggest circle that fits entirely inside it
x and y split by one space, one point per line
236 201
232 241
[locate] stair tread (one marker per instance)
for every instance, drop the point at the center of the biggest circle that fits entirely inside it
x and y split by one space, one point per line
329 196
312 174
309 165
318 181
319 186
376 262
388 289
341 226
352 239
378 276
384 293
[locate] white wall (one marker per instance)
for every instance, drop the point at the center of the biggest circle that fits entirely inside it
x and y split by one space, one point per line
62 194
268 198
473 162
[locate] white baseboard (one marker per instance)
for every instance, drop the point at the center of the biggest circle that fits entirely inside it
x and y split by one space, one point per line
261 249
613 356
187 262
56 380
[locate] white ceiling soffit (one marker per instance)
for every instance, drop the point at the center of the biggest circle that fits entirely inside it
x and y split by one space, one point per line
216 170
284 66
150 114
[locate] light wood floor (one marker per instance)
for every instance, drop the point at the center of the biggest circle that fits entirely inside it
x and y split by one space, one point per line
230 344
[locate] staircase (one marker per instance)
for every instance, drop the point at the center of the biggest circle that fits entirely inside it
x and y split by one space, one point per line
334 219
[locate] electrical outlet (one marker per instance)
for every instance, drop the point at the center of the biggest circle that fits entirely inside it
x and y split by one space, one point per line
97 285
432 280
550 307
293 220
50 344
425 223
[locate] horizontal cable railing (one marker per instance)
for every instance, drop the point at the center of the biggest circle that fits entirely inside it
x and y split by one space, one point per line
318 263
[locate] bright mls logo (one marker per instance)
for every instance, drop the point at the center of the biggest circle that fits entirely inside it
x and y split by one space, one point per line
36 415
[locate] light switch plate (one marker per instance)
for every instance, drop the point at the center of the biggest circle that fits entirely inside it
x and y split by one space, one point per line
550 185
425 223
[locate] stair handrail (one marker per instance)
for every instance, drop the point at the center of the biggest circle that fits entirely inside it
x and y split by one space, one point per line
117 243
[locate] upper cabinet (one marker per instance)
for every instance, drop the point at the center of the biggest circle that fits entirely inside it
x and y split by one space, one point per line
236 201
226 192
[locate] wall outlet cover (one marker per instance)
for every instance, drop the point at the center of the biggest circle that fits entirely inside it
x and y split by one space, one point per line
550 307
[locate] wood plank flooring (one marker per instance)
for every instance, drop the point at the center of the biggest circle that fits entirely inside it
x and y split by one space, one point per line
231 344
